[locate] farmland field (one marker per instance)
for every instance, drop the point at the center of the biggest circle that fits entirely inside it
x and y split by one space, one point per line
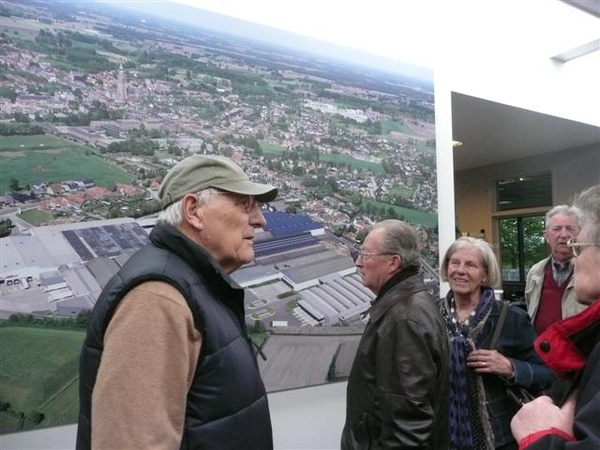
349 161
392 125
49 159
410 215
339 159
40 142
39 373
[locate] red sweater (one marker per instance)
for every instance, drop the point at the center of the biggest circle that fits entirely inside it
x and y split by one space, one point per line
550 308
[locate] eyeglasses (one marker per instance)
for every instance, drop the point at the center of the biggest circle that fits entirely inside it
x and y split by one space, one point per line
246 202
577 247
366 255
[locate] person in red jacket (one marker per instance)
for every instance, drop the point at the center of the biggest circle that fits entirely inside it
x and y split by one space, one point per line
571 348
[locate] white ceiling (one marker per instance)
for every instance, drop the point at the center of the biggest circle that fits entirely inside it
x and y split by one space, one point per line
492 132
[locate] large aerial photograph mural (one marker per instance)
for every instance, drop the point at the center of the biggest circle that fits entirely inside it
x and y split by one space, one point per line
98 100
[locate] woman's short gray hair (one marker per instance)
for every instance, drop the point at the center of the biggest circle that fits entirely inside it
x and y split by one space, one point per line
486 252
401 239
172 214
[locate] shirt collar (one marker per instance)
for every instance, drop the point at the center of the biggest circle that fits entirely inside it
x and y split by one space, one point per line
562 266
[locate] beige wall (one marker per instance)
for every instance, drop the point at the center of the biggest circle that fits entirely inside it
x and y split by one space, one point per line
572 171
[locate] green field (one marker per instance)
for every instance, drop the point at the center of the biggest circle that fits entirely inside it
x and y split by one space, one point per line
401 192
49 159
338 159
35 142
39 373
388 126
36 217
410 215
272 149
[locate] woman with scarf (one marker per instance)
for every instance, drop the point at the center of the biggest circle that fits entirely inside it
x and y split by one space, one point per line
480 409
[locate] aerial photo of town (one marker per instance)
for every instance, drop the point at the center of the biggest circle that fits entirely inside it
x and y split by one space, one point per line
98 100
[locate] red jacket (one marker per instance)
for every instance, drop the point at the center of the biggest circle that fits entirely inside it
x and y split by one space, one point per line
571 348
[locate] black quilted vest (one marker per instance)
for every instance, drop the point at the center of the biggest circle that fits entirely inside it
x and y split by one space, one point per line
236 418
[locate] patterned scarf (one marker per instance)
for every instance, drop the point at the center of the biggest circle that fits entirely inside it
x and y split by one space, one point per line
470 428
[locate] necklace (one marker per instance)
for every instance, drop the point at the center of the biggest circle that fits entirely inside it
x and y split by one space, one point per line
455 318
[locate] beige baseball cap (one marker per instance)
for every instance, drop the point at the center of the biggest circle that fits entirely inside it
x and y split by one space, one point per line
198 172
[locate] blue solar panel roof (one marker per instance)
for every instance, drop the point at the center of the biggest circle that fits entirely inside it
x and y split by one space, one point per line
280 223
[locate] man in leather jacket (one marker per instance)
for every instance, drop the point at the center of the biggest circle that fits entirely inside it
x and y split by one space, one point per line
397 394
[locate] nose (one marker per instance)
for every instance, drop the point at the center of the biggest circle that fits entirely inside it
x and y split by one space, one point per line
257 218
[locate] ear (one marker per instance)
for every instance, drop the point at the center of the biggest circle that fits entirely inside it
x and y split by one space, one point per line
396 263
485 278
192 213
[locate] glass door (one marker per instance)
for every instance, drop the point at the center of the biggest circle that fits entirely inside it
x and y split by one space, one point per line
522 244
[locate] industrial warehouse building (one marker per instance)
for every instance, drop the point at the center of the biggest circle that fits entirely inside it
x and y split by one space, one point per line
71 263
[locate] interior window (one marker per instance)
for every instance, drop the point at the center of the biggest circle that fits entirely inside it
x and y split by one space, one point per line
524 192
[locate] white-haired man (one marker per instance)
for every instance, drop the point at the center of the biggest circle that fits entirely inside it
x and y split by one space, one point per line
549 292
166 362
397 394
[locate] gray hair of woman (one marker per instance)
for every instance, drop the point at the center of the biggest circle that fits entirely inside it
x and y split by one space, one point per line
588 202
486 252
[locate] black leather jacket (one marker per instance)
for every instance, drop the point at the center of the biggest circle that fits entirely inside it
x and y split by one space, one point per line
397 395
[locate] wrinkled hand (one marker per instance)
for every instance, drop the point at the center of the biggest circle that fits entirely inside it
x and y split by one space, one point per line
489 361
542 414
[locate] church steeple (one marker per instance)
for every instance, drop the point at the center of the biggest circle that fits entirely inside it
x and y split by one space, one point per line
121 85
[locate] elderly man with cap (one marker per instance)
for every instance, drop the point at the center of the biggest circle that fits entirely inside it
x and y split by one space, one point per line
166 362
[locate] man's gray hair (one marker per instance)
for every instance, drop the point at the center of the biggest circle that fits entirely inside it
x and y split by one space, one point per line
488 258
172 214
401 239
589 204
567 210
